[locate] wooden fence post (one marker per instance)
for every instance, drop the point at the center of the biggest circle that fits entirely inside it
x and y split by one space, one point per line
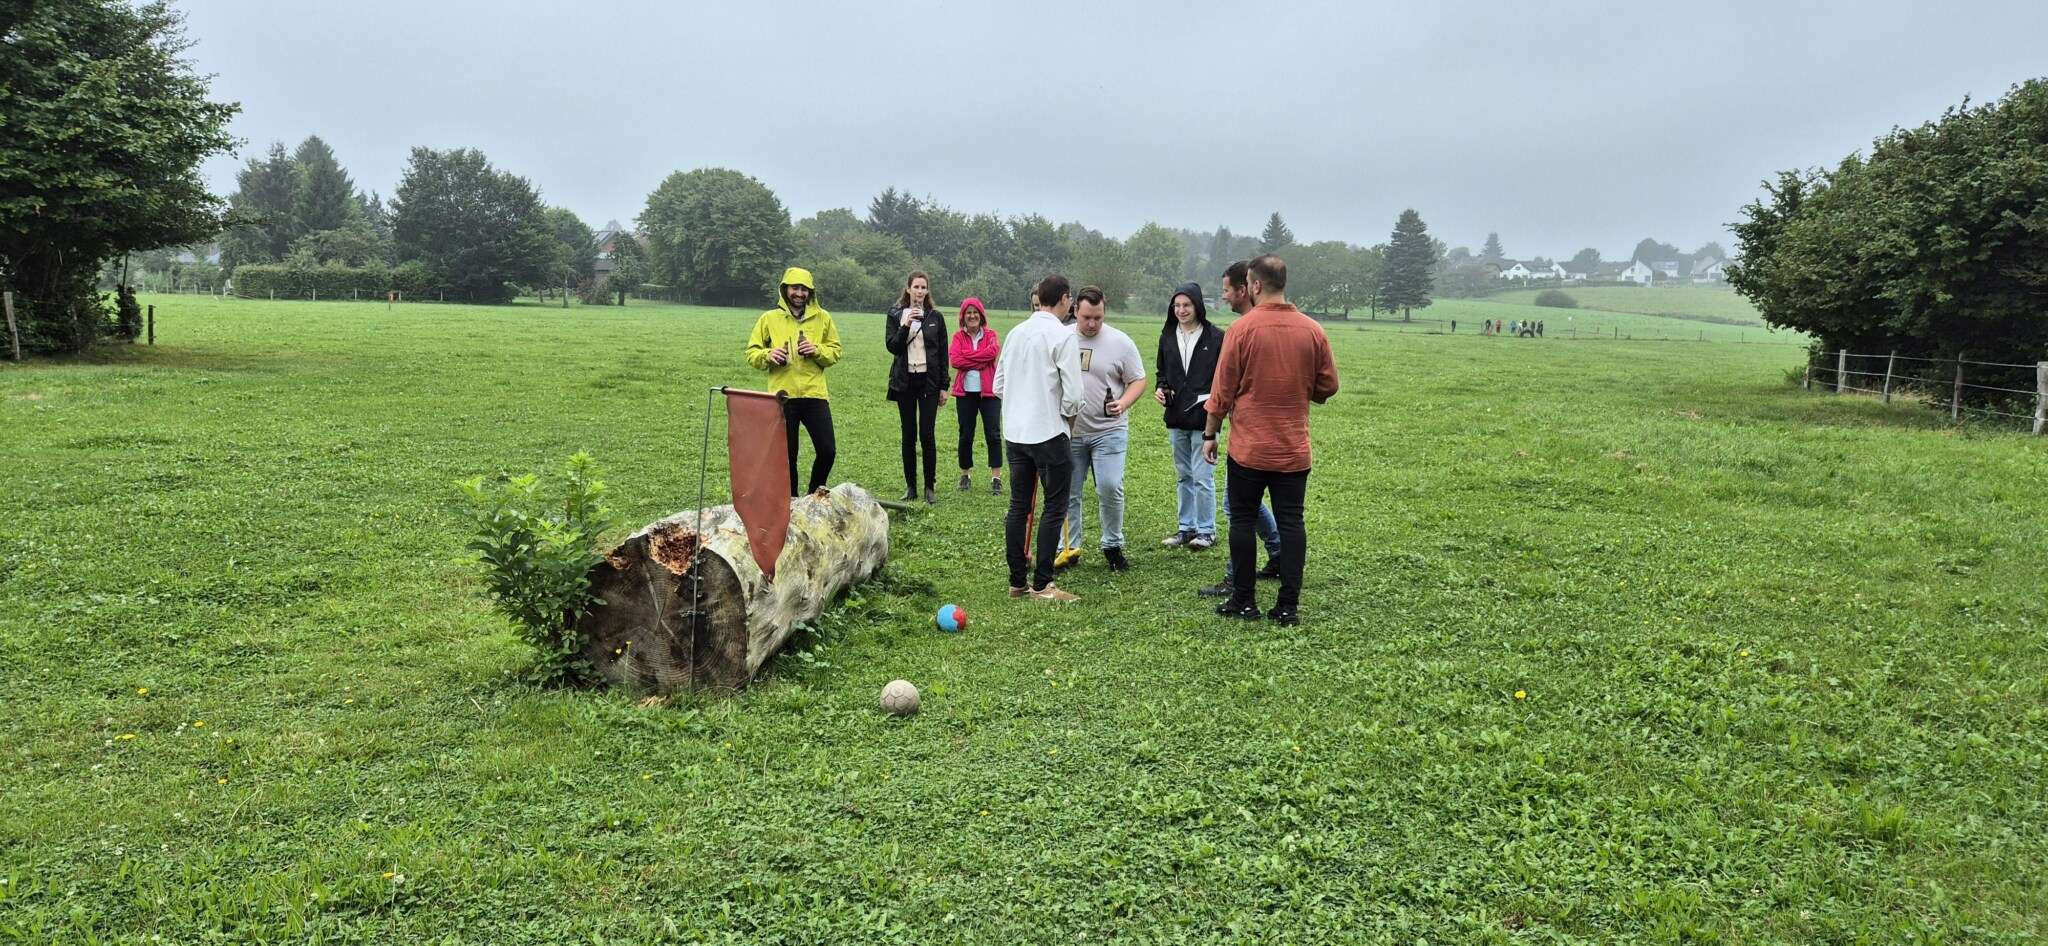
152 325
1808 385
13 334
1889 361
1955 404
1841 369
2040 398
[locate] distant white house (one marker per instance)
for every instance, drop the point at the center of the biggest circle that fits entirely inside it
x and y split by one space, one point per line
1532 270
1577 275
1637 272
1709 270
1669 268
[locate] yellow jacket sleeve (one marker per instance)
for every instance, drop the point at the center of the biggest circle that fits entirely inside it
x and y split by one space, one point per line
758 345
827 343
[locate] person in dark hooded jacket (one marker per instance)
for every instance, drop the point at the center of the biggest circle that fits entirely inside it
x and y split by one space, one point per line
1186 360
919 379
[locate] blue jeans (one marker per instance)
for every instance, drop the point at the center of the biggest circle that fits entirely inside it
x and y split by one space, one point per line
1105 454
1195 482
1269 533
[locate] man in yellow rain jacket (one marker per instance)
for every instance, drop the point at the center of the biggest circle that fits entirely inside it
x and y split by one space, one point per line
795 342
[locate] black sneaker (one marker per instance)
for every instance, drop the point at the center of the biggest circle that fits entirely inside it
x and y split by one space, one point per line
1116 560
1221 589
929 496
909 496
966 482
1178 539
1243 611
1285 617
1269 573
995 485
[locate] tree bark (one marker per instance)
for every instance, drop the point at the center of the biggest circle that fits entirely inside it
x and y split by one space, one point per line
680 613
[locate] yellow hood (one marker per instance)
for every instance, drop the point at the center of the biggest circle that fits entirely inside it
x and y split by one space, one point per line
797 276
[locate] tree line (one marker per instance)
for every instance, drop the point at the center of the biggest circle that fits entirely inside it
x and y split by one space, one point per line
1934 245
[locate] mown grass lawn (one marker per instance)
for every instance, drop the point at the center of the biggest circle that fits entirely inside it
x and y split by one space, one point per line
1627 642
1699 303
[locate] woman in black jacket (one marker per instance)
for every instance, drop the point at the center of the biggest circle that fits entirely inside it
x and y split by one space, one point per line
918 379
1186 364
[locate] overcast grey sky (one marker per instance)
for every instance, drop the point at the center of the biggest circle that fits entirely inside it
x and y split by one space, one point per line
1559 125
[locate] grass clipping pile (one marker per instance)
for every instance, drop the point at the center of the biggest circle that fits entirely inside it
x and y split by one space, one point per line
688 611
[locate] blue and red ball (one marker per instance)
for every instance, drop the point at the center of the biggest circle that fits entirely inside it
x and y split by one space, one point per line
951 618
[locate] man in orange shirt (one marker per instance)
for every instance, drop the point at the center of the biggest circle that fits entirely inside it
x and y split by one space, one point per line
1275 362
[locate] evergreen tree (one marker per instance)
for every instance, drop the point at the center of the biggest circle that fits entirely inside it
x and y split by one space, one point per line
323 197
260 214
1407 281
1219 251
1276 234
1491 252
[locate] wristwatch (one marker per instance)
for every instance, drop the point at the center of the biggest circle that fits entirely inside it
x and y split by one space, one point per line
1207 437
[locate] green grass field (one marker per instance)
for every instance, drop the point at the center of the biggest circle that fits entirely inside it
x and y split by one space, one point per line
1568 324
1697 303
1627 642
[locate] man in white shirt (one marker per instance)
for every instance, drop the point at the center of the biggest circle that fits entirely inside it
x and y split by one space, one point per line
1038 378
1112 378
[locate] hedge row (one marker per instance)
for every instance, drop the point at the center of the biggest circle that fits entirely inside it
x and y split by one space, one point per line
260 280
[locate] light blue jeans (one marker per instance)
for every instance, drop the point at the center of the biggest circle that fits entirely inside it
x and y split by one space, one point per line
1195 482
1105 454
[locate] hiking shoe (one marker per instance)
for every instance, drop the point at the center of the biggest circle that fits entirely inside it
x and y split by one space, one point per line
966 482
1241 610
1200 542
1114 557
995 485
1269 573
1053 594
1178 539
929 496
1019 591
1285 617
1066 557
1221 589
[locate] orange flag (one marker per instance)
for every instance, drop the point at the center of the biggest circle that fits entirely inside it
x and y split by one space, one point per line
757 453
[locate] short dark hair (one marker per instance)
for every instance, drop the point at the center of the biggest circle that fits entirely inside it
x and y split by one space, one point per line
1051 288
1235 274
1271 270
1089 294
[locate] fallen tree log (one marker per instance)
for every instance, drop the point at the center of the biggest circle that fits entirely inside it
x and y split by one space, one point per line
682 611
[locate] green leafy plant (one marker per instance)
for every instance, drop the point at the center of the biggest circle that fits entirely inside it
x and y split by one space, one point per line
1556 299
537 561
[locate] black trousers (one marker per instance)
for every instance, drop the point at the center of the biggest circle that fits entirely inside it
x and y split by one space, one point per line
1246 487
814 414
1050 465
919 421
989 409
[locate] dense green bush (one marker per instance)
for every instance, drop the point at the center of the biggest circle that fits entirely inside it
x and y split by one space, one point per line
537 561
1556 299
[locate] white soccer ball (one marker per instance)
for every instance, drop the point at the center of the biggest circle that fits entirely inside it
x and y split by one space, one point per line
899 698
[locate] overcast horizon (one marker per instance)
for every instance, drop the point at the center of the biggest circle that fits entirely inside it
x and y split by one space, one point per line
1593 128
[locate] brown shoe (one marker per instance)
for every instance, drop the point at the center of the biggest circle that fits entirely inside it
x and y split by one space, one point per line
1053 594
1016 592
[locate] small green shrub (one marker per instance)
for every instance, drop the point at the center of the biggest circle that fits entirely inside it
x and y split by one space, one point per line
1556 299
537 562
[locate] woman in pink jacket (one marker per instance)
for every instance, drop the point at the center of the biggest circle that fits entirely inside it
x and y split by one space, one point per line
973 356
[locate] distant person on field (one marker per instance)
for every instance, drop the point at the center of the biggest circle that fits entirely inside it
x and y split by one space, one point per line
1112 379
1275 363
1038 376
973 355
795 342
918 379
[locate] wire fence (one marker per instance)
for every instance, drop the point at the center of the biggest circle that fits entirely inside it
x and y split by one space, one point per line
1921 379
